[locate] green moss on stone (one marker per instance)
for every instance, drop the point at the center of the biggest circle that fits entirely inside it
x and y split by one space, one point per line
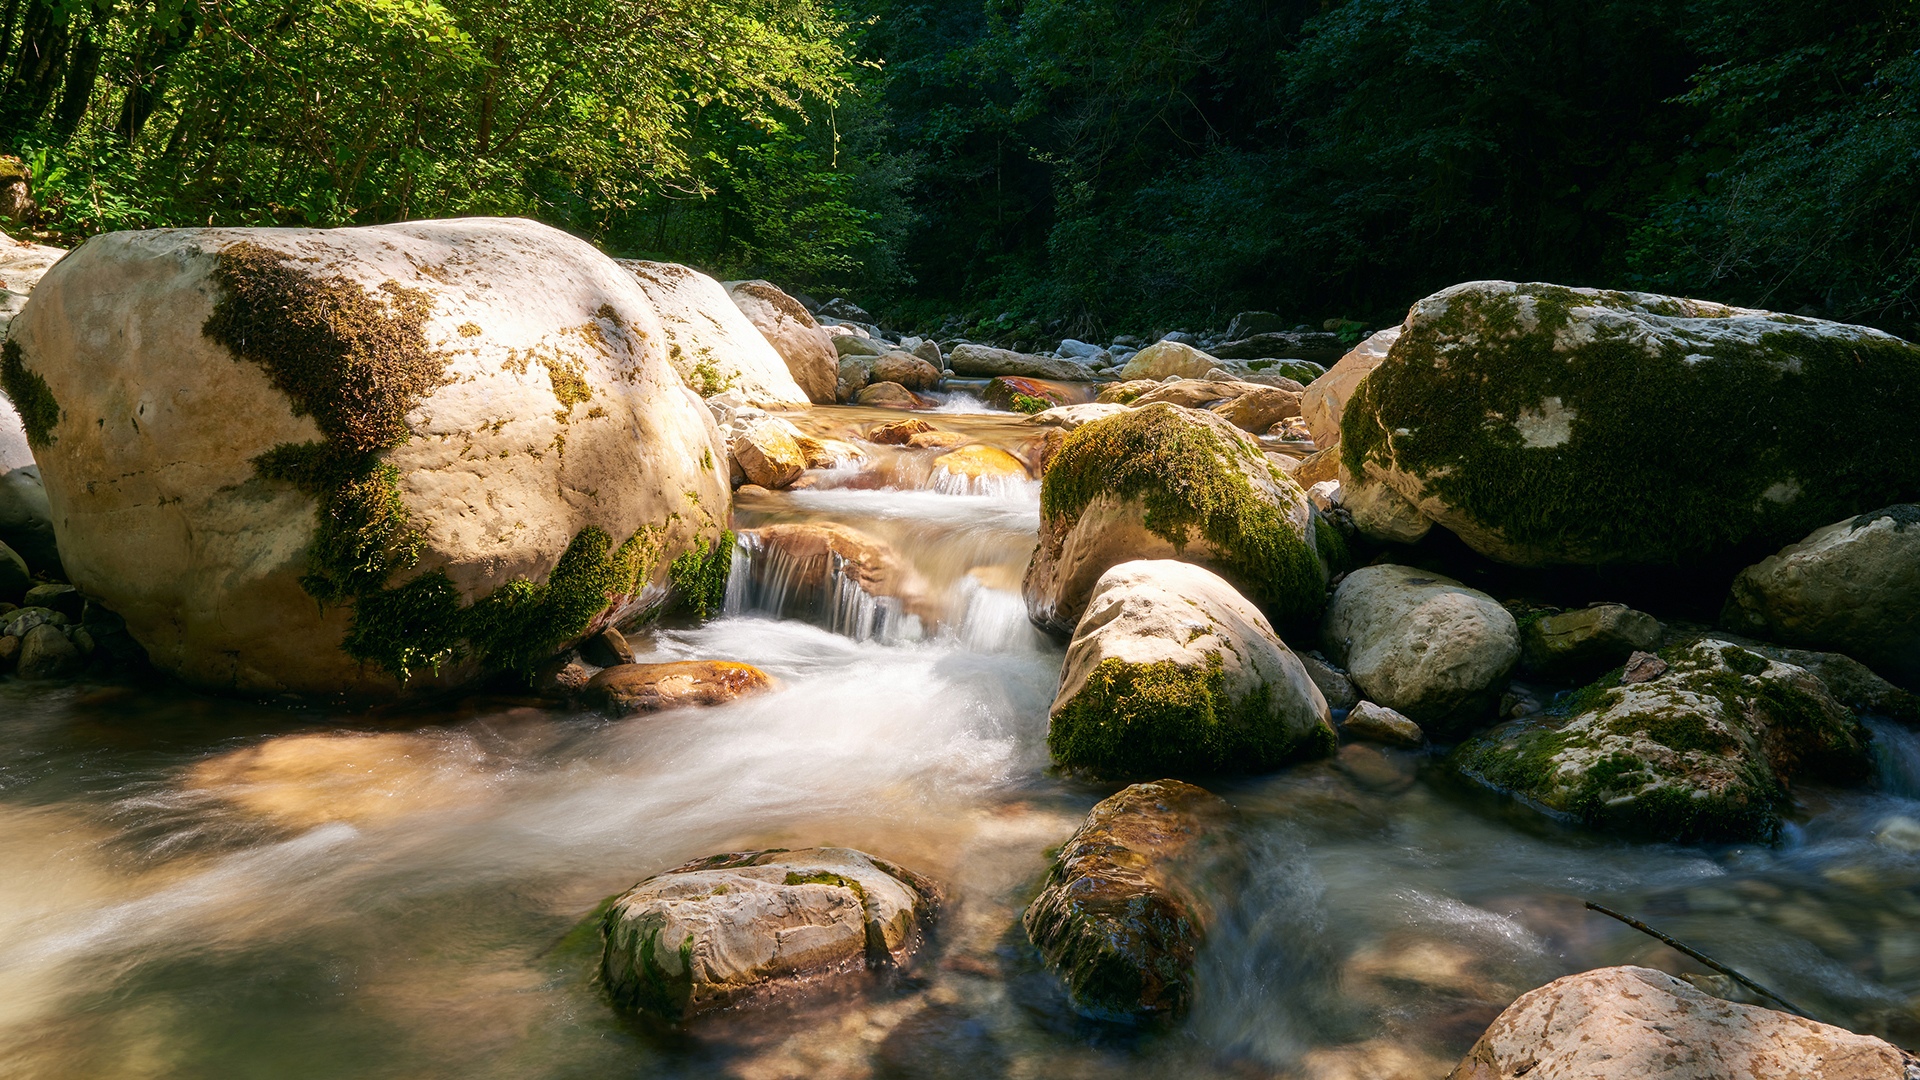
1163 717
1192 482
700 578
31 396
1021 403
1733 467
652 989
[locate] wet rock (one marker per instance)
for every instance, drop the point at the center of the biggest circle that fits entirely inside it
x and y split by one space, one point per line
64 599
1126 393
1368 722
1333 682
15 580
630 689
26 520
607 648
1165 482
1584 642
1325 400
887 395
1171 670
1068 417
710 342
1164 358
1422 644
1628 1023
937 440
787 325
980 462
906 369
898 432
1260 408
515 369
1118 917
769 453
983 361
1852 587
1374 769
728 928
1021 395
46 653
1500 410
1704 751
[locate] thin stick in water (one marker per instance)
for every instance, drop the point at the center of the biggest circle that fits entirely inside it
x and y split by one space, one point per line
1702 957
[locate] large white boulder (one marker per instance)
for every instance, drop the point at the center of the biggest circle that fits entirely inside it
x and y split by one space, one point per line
1325 400
789 328
1422 644
1171 670
710 342
728 928
311 460
1635 1023
1851 587
1546 425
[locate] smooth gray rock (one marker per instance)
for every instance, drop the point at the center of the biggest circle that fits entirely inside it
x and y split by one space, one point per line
1587 641
984 362
45 653
1377 723
1422 644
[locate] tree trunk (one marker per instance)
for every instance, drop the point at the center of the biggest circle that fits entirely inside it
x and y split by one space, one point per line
37 72
82 73
151 65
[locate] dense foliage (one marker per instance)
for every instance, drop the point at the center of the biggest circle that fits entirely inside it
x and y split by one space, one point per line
1043 166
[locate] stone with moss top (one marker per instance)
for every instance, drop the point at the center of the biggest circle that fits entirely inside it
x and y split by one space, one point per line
1707 751
1166 482
1548 425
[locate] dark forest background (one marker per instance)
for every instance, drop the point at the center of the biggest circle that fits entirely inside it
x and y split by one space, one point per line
1037 168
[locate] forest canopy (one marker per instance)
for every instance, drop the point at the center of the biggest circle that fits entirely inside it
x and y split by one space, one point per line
1038 167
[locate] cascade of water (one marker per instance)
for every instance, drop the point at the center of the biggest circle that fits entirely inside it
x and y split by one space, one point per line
771 581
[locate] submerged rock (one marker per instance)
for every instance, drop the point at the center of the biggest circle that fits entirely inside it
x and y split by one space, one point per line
711 344
1586 641
728 928
629 689
371 457
787 325
979 462
1325 399
1422 644
1852 587
1503 409
1165 482
1633 1023
1703 750
1119 917
1171 670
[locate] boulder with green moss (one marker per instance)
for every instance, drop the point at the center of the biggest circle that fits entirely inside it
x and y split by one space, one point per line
1705 750
1122 915
732 928
1163 482
1173 671
1852 587
1546 425
362 460
1423 644
710 342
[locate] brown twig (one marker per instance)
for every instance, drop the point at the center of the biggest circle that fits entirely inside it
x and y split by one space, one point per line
1700 956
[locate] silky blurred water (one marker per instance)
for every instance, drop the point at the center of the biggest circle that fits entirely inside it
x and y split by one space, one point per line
194 886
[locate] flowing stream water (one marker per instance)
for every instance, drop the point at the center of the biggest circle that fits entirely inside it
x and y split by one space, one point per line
197 886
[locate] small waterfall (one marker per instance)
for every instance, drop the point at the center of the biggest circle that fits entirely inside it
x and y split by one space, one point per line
770 581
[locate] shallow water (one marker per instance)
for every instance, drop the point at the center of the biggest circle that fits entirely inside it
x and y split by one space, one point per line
197 886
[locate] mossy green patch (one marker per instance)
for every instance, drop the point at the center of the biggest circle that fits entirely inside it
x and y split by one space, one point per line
700 577
1163 717
1193 482
652 988
1551 446
31 396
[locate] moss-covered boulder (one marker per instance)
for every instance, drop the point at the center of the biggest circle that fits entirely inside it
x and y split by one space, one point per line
1120 917
1548 425
1423 644
1853 587
1173 671
1705 750
1162 482
357 460
731 928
